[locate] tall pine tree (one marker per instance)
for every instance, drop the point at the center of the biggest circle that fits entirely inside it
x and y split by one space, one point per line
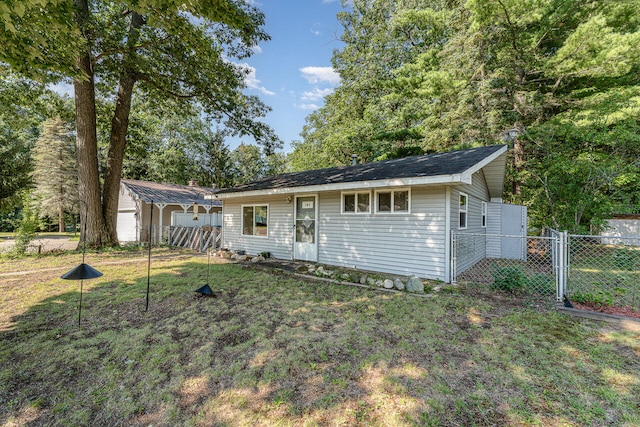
55 172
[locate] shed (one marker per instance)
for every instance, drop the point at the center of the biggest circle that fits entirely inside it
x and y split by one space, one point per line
622 229
173 205
394 216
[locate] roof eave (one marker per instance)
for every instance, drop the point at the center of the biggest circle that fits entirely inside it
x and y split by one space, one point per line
357 185
145 199
484 162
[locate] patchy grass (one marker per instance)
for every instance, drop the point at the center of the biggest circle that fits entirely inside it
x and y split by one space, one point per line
270 349
61 260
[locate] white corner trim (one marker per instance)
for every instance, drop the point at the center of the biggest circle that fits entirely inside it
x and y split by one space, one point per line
448 262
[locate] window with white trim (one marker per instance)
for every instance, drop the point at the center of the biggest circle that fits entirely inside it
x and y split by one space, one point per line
356 202
484 214
392 201
463 207
255 220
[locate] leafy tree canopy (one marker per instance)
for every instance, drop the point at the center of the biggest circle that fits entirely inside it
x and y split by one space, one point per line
182 50
556 79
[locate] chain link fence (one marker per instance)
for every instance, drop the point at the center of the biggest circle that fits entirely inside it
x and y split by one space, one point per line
604 270
522 264
597 270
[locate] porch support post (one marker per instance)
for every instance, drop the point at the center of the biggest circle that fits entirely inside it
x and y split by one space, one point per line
207 208
160 206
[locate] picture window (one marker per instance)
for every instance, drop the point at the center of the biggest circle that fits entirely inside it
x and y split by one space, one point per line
255 220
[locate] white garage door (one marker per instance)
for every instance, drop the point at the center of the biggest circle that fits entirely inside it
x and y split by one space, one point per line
126 227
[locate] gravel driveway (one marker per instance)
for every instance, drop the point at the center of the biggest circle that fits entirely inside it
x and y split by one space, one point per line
47 244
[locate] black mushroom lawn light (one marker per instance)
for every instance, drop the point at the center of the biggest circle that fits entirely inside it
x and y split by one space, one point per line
83 271
205 290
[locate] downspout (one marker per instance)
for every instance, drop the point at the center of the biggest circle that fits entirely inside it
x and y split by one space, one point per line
447 235
293 232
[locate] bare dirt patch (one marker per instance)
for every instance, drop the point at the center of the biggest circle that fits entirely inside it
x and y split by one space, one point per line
626 311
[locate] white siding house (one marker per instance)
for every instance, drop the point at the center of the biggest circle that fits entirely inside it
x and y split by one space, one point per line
394 216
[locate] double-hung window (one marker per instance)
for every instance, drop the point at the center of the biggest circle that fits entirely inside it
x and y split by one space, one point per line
463 207
392 201
255 220
356 202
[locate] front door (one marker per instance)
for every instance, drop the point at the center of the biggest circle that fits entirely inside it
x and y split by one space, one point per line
306 239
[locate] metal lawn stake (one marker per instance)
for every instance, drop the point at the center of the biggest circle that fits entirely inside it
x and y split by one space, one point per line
206 290
83 271
146 307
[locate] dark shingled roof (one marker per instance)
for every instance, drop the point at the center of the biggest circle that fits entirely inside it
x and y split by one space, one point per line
450 163
170 193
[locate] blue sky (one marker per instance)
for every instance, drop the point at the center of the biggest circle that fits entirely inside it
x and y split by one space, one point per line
292 72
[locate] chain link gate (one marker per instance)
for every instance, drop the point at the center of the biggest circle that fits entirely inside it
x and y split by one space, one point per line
604 270
510 263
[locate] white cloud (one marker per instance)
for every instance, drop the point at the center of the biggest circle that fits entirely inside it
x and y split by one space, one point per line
252 81
256 49
316 94
316 75
308 106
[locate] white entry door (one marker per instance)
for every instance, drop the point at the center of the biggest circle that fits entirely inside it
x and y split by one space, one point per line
306 228
513 222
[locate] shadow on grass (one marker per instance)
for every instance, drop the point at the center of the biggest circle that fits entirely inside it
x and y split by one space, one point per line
269 349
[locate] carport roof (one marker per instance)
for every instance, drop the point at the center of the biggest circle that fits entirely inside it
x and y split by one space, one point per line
172 194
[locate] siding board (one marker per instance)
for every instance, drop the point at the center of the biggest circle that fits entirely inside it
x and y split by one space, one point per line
395 243
279 241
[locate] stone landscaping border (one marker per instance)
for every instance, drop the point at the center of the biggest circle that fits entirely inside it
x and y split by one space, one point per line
336 274
358 285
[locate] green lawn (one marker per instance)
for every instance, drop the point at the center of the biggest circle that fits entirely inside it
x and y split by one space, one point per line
272 349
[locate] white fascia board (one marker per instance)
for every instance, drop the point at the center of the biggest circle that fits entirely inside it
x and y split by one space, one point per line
357 185
484 162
